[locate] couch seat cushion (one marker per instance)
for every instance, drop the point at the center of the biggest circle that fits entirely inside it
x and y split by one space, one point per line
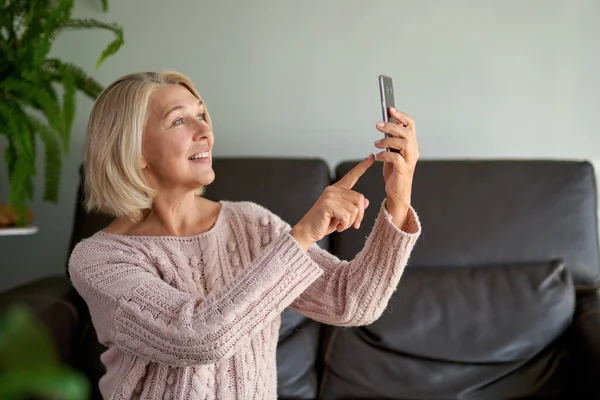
456 332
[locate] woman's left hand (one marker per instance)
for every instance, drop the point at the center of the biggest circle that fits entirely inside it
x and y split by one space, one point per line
398 168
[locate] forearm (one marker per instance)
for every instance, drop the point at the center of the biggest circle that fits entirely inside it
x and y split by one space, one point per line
356 292
144 315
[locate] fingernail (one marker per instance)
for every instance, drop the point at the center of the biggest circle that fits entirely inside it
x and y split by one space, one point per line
378 142
358 225
380 124
393 109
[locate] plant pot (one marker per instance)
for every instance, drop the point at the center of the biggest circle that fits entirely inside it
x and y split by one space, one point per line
8 222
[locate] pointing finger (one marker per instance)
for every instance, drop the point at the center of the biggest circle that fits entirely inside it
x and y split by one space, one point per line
350 179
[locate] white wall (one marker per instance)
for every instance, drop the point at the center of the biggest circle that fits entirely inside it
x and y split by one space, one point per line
482 78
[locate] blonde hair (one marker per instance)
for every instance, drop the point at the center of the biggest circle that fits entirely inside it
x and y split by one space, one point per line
114 183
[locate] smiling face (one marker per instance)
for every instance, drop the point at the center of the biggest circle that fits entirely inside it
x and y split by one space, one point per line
177 142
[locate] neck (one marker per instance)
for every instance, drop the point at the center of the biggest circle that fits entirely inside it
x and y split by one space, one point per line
175 214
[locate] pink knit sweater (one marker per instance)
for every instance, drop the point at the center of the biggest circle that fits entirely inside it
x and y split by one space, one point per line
198 317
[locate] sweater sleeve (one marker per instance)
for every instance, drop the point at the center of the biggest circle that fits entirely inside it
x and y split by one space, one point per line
137 311
357 292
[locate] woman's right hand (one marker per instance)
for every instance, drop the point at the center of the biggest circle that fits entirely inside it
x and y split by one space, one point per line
337 209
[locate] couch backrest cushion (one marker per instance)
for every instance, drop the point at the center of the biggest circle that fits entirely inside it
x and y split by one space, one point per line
85 224
478 212
451 332
286 186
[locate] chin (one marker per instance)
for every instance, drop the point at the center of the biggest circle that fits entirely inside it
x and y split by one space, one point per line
207 178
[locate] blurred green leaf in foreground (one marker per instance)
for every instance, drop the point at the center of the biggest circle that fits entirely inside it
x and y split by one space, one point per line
29 366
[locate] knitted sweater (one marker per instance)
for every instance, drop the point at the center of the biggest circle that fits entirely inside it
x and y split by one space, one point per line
198 317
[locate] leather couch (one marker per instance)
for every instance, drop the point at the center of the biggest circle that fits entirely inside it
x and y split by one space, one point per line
499 301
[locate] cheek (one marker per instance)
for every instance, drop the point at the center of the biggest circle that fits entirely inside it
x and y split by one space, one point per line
165 149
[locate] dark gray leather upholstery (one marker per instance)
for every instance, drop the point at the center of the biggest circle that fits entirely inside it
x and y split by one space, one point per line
455 332
287 187
479 212
476 214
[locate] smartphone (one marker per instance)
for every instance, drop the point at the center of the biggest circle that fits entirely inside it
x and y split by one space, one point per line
386 92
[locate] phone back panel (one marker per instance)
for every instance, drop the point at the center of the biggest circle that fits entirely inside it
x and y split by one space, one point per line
386 92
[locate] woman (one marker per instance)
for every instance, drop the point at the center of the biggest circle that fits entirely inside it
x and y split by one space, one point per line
187 293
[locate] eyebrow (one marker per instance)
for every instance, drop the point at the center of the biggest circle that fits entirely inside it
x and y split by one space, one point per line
180 107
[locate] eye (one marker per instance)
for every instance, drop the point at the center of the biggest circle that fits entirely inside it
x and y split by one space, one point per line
200 117
178 121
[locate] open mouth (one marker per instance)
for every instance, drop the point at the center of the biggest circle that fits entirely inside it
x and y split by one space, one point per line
199 155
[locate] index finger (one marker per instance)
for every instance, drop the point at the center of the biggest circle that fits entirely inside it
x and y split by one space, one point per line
349 180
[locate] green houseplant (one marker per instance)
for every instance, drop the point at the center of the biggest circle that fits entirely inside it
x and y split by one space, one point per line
30 106
29 365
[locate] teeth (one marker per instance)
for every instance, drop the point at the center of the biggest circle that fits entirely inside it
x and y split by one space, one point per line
197 156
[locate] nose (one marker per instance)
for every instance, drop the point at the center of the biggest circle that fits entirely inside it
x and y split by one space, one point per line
202 131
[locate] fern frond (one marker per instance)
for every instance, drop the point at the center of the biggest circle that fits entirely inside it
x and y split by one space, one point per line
23 159
33 45
75 24
8 121
10 157
68 110
90 23
53 159
59 14
40 51
39 96
20 180
84 82
19 134
9 13
111 49
40 21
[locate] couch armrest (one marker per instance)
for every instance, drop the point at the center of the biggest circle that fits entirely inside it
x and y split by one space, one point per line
587 328
586 342
54 302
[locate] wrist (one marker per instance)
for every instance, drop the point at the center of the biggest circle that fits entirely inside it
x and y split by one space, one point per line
398 211
301 237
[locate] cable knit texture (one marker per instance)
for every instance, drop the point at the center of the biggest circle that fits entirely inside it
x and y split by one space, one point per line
198 317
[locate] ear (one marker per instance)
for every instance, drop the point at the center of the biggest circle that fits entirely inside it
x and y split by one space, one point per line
144 163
